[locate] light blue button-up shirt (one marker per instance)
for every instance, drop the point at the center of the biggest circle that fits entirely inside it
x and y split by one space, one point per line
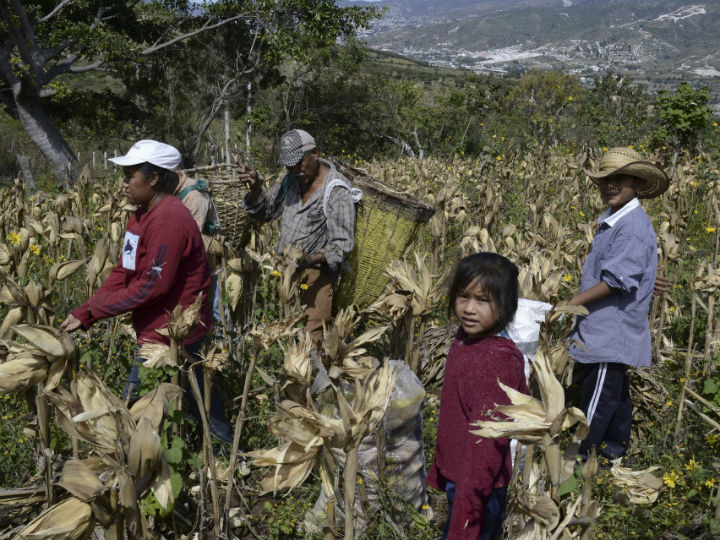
623 255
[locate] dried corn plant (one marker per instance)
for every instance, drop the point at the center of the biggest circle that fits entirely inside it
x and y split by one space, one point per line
309 438
409 299
125 460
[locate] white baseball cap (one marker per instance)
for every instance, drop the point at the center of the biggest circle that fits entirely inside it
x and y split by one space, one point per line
160 154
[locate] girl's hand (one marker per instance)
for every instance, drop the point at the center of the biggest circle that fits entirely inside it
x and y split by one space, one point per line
70 324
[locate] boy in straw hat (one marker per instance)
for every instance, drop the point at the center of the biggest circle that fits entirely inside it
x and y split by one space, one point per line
616 287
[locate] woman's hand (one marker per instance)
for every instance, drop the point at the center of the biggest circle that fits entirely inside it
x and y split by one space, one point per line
70 324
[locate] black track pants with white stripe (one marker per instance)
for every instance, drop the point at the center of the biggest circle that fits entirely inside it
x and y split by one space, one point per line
607 405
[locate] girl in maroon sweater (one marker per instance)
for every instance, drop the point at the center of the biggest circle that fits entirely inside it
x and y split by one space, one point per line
474 472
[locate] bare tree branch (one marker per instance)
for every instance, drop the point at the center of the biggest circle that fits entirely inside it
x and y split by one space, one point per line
45 55
214 108
24 22
16 35
203 28
421 153
68 66
404 146
54 11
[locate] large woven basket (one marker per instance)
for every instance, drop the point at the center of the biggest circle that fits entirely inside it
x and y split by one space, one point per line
388 222
227 193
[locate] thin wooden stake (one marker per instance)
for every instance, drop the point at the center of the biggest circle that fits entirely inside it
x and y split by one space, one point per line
688 366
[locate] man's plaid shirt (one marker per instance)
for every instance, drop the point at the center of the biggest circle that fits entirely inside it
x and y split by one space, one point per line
305 226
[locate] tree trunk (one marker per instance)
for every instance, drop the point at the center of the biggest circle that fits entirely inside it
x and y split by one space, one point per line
24 162
47 138
227 135
248 122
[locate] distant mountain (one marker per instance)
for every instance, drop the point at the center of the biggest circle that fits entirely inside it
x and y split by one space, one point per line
414 12
657 41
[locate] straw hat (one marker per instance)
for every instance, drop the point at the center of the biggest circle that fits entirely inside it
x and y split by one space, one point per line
623 160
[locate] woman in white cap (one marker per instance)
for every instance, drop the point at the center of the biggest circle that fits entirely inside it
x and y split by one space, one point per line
162 265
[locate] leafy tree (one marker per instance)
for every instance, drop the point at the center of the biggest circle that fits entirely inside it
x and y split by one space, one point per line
614 113
46 40
538 104
684 115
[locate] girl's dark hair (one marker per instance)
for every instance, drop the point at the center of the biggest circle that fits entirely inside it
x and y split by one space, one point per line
167 179
497 275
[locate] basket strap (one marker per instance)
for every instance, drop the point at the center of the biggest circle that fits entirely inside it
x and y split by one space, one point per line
355 193
199 185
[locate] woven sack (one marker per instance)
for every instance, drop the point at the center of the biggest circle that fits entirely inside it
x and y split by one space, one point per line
227 193
387 223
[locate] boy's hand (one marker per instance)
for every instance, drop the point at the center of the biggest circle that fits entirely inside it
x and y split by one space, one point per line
662 285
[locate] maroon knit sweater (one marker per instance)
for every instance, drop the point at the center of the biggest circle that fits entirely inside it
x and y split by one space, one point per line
469 393
162 264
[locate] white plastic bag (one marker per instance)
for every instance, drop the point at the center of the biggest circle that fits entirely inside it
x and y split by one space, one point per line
524 330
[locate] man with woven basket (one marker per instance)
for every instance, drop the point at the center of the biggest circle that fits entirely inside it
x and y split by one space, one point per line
316 217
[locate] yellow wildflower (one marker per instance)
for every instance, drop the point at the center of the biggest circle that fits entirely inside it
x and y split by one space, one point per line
670 479
304 286
276 273
692 466
360 480
14 238
630 146
570 98
499 158
709 230
605 148
35 249
710 483
567 278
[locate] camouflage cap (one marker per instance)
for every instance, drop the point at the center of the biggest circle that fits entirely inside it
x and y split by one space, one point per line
293 146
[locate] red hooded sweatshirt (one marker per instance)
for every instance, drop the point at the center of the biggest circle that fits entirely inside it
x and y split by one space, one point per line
162 264
470 391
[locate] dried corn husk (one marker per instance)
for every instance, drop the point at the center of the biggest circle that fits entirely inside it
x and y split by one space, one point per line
70 518
21 373
641 487
80 481
143 457
183 321
156 355
153 405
